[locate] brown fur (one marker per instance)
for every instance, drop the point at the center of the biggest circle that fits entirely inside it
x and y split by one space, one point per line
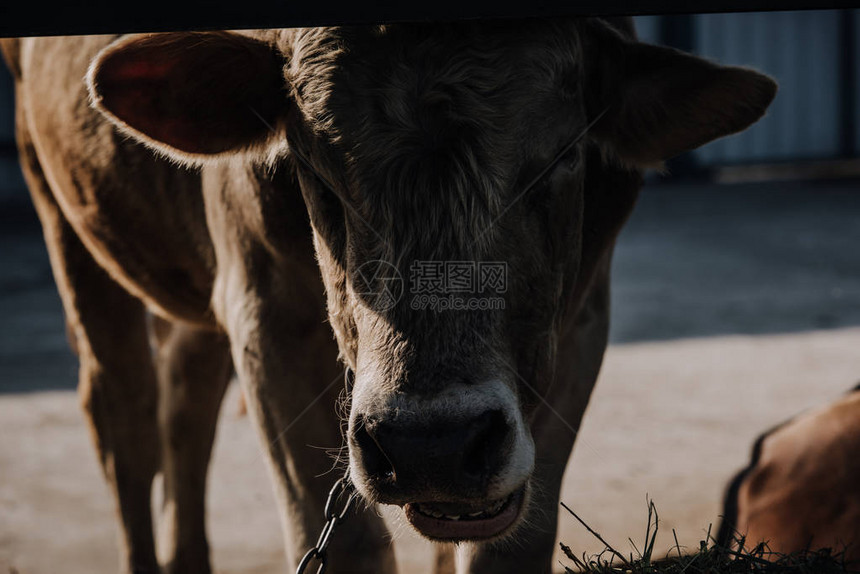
801 489
421 140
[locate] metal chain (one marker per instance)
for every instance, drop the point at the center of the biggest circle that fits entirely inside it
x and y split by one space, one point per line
333 518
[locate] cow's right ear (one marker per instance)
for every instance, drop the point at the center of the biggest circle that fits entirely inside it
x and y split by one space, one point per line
651 103
192 95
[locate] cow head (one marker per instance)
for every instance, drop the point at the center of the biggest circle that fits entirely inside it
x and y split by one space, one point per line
442 167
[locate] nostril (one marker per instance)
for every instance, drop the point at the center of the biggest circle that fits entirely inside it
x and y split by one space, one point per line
373 458
483 450
460 455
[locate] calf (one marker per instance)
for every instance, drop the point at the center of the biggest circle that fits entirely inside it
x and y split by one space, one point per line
801 489
245 187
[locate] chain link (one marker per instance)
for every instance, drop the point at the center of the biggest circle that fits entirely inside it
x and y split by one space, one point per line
333 517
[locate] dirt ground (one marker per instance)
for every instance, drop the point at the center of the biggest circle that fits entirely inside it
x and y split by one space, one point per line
672 421
734 308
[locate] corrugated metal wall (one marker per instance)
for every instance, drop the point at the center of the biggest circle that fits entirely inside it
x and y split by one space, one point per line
802 51
856 48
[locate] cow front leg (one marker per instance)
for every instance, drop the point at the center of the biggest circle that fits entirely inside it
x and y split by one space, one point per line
270 299
554 427
194 368
530 549
118 391
293 383
117 384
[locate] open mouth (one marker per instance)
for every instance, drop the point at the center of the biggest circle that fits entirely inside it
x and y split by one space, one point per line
459 522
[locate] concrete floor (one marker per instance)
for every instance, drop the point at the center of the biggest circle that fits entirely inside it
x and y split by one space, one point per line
734 307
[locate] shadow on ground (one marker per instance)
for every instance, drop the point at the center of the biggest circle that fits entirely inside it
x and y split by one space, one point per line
751 259
693 261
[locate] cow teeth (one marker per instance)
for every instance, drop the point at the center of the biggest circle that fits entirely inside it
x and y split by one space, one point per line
489 512
429 512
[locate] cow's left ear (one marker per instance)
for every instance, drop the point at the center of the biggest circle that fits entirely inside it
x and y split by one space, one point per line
659 102
192 95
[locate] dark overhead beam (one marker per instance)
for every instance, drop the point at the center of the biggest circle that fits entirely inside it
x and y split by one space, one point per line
32 17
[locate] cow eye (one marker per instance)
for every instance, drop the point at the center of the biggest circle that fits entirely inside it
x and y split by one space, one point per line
324 206
543 180
312 175
304 165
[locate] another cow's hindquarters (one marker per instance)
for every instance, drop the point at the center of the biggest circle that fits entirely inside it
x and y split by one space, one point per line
801 490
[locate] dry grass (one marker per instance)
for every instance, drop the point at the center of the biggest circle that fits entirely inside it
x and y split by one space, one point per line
711 558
